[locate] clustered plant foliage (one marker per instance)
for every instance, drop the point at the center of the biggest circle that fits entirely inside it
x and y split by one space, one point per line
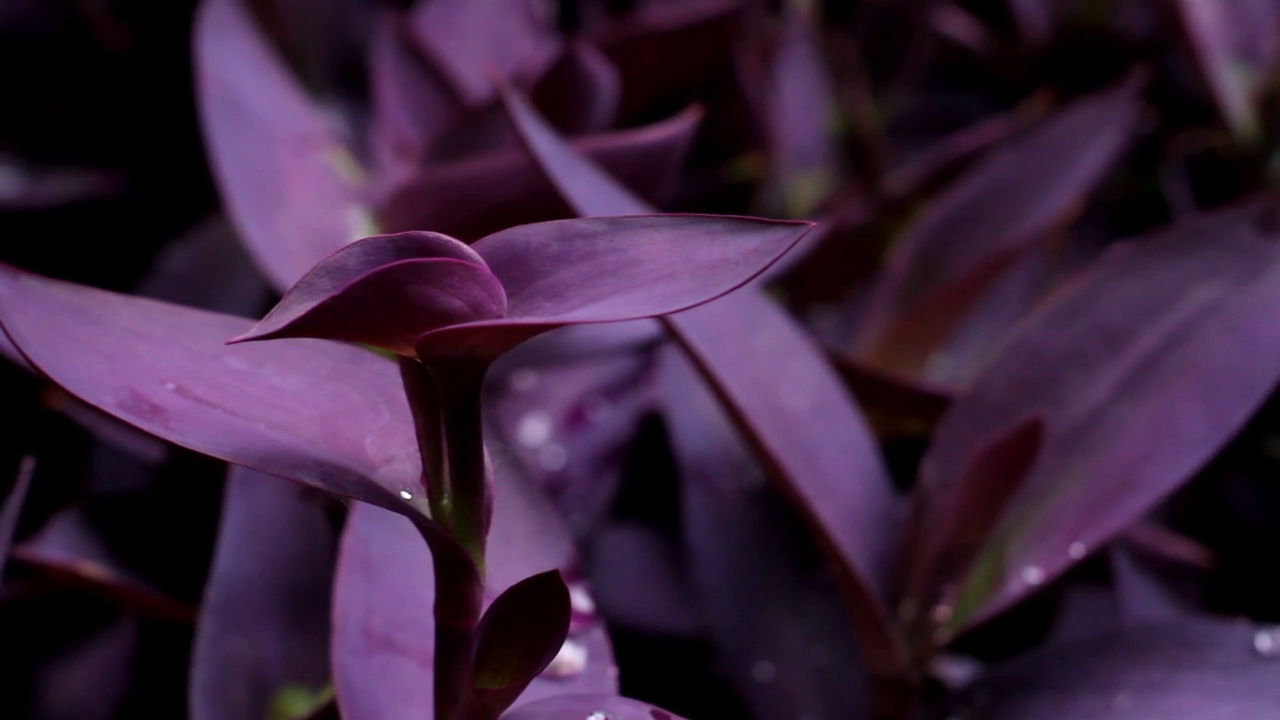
641 359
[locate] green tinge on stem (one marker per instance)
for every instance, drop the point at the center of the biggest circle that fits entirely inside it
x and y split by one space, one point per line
466 469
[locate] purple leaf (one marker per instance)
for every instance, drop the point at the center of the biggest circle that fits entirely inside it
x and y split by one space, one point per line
999 207
582 91
287 178
1130 357
166 370
1139 592
475 42
12 508
69 550
782 634
518 637
1188 670
469 199
1236 50
944 536
745 346
639 579
589 707
410 104
611 269
264 620
384 637
800 105
387 307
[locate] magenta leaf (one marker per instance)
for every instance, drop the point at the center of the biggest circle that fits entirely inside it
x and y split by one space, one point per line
1188 670
1168 342
591 707
166 369
518 637
268 590
287 177
1002 205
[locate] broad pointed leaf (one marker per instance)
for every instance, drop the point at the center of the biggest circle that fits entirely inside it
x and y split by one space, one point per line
264 620
1003 204
288 179
166 369
582 91
611 269
1235 48
518 637
1168 342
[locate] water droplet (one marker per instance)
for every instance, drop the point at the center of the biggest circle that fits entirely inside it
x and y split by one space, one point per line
170 386
941 614
764 671
553 457
1266 642
406 495
580 600
569 662
598 715
523 380
1032 575
1077 550
534 429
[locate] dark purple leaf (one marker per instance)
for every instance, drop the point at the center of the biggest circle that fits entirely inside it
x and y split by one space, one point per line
90 680
943 537
410 104
611 269
1002 205
287 178
783 635
581 92
472 198
264 620
639 580
1167 343
1141 596
476 43
68 550
589 707
383 632
520 634
166 370
1189 670
745 346
1236 50
12 508
387 307
804 153
207 267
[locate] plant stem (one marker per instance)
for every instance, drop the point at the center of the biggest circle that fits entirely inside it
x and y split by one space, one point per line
424 404
466 468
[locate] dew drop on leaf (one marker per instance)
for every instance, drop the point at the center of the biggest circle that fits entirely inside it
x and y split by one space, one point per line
1266 642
